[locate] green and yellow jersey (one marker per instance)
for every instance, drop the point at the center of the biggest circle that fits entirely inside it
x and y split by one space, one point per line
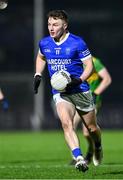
94 80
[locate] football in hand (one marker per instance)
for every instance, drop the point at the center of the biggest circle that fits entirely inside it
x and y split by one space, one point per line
60 79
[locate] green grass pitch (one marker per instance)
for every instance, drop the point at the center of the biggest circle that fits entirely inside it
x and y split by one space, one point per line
45 155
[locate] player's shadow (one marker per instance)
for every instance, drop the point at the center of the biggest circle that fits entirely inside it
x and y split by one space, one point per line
114 163
114 173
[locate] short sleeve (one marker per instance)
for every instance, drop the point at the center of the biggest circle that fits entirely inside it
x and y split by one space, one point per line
83 50
40 47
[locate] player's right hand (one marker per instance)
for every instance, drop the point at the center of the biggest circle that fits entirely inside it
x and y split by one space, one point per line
36 83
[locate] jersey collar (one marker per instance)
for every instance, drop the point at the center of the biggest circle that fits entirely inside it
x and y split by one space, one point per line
63 40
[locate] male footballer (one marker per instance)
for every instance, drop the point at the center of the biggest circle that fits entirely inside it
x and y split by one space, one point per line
64 50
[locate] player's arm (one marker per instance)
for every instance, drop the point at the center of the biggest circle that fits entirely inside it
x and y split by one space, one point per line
105 81
86 58
88 64
86 73
40 65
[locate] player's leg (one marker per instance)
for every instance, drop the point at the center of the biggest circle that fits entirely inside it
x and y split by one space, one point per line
90 148
76 121
66 112
95 133
84 104
90 145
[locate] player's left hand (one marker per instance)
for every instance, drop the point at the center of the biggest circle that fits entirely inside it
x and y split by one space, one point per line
74 82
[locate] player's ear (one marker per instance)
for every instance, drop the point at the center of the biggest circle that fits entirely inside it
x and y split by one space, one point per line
65 25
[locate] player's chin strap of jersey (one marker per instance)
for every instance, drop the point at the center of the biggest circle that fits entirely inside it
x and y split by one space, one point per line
36 83
74 82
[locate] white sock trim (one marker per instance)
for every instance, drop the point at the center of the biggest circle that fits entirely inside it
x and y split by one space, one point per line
37 74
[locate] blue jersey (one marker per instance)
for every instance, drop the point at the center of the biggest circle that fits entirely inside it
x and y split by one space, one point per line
68 55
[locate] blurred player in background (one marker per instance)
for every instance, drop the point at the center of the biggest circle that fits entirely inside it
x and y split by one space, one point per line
3 101
63 50
98 81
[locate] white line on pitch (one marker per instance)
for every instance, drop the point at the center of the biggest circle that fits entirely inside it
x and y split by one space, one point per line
54 166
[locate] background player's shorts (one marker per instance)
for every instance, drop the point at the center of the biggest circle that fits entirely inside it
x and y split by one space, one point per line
82 101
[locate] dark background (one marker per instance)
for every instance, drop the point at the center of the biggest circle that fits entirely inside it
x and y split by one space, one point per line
100 23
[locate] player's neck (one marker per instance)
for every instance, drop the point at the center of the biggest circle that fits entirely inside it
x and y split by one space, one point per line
61 37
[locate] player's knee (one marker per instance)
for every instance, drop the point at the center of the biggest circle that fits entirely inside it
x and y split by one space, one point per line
85 133
93 127
66 126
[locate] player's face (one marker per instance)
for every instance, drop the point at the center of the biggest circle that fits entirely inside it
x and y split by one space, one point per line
56 27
